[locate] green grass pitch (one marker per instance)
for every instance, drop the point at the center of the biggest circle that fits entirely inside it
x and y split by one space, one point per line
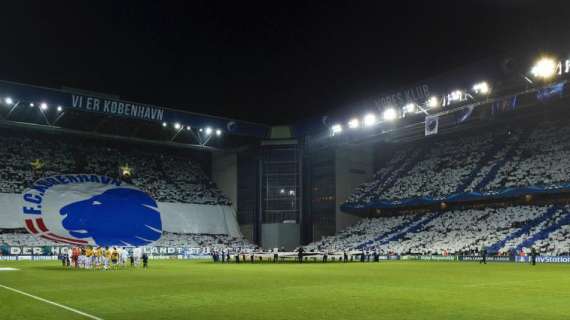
203 290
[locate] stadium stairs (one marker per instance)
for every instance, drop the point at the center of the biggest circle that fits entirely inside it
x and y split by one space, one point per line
543 234
524 229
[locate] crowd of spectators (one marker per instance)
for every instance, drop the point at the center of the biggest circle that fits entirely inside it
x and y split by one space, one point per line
488 162
20 237
504 230
168 178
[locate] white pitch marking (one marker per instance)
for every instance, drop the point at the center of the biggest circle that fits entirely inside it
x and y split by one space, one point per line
9 269
51 302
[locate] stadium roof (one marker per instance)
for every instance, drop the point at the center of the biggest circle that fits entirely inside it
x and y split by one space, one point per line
104 115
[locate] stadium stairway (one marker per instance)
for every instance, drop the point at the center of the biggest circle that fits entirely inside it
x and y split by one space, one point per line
543 234
524 229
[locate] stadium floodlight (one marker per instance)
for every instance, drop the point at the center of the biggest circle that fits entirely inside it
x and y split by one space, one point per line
164 124
482 88
43 106
208 131
455 95
433 102
369 120
218 132
544 68
59 108
336 129
31 104
188 128
8 101
291 192
201 130
354 123
390 114
410 108
282 191
177 126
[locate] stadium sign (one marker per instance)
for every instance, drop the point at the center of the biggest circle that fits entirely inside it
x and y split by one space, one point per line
489 259
82 209
563 67
14 252
416 94
438 258
70 99
545 259
117 108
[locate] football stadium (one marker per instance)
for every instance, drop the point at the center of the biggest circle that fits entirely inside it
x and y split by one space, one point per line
448 198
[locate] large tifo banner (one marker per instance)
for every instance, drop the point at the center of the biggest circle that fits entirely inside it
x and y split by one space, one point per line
83 209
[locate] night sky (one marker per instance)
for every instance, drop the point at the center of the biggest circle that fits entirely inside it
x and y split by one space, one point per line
270 62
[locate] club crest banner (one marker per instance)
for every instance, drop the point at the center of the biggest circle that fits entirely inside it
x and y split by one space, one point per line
84 209
431 125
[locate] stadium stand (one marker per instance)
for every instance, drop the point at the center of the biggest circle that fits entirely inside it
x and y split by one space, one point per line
218 241
166 177
169 175
505 231
519 157
492 161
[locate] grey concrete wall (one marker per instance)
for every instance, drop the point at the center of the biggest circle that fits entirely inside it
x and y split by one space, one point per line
353 166
224 174
277 235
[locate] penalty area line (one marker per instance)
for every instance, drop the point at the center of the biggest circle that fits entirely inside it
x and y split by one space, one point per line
52 303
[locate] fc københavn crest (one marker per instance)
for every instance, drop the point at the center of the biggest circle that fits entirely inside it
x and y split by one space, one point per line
84 209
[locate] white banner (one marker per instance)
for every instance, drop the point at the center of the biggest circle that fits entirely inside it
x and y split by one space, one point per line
431 125
176 217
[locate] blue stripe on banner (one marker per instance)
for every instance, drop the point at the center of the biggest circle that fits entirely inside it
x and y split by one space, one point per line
553 91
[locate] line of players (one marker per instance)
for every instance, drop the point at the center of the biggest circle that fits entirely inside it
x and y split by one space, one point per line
103 257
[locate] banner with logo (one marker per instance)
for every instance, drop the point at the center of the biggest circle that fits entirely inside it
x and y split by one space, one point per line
489 259
544 259
182 218
87 209
431 125
14 251
438 258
